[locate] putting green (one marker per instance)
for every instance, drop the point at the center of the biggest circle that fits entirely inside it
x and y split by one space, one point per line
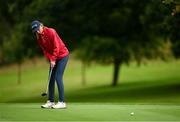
90 112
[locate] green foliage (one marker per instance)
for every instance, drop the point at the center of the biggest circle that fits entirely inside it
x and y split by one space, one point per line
126 31
102 30
172 25
12 48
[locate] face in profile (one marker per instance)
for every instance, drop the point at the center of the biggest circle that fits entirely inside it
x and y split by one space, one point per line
40 31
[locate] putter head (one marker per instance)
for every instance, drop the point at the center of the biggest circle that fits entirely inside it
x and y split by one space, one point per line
44 94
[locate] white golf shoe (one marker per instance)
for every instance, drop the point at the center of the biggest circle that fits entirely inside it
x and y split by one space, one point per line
59 105
48 104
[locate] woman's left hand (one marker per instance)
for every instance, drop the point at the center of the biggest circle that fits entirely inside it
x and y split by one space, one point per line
52 63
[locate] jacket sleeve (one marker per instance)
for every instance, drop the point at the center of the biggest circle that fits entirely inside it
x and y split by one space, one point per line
46 54
54 38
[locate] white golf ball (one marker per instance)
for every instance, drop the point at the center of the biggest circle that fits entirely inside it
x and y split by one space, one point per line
132 113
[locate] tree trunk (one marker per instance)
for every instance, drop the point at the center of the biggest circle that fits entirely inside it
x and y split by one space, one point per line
83 73
117 65
19 74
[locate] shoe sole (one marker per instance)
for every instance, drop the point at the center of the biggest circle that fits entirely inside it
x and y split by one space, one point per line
59 108
46 107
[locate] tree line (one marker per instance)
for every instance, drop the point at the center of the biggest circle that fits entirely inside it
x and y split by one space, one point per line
108 32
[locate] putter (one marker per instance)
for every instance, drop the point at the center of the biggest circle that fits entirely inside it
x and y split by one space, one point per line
49 77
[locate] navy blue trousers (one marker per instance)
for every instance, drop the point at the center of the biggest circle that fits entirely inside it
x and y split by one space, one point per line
57 75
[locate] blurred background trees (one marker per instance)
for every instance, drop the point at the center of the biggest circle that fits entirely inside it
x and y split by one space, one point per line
108 32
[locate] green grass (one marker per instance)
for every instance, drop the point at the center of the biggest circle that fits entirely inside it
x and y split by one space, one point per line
90 112
152 91
156 82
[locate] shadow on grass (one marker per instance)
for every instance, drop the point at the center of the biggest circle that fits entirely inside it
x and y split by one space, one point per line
163 91
130 92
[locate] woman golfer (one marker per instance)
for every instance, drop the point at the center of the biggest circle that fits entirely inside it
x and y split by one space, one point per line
56 52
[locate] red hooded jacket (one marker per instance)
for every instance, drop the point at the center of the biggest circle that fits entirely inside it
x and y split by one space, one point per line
52 45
